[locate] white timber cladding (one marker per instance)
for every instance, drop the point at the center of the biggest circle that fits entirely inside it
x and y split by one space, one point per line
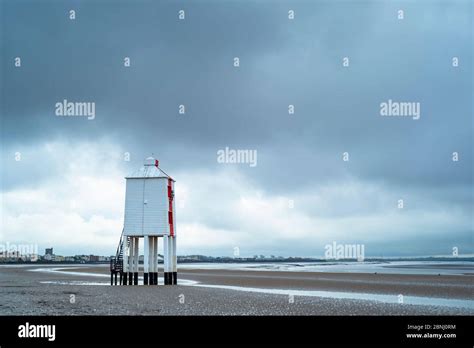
146 207
133 224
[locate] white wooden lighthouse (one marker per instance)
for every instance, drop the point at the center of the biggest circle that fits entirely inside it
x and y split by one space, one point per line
149 214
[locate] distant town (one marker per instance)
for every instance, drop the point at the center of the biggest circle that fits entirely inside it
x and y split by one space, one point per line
50 257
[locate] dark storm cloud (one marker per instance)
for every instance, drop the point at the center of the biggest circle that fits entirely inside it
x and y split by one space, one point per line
282 62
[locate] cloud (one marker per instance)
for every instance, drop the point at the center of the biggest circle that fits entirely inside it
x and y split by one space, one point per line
68 188
79 207
76 203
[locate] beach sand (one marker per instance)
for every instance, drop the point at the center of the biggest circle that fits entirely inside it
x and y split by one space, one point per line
47 293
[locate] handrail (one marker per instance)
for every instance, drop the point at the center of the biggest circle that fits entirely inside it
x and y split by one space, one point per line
119 246
114 262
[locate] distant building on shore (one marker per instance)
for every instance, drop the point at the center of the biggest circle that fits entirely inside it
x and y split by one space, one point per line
49 255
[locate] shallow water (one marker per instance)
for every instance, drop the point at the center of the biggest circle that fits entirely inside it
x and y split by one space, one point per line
73 282
388 267
60 270
407 300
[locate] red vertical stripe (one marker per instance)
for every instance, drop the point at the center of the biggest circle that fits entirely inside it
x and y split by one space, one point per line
170 209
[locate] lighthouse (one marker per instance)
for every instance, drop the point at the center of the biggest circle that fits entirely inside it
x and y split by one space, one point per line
149 214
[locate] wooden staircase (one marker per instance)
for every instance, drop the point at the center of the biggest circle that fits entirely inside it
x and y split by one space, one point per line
116 263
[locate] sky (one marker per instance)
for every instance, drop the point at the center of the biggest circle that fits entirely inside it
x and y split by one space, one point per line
62 178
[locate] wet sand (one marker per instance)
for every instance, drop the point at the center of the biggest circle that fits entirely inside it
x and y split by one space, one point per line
25 292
